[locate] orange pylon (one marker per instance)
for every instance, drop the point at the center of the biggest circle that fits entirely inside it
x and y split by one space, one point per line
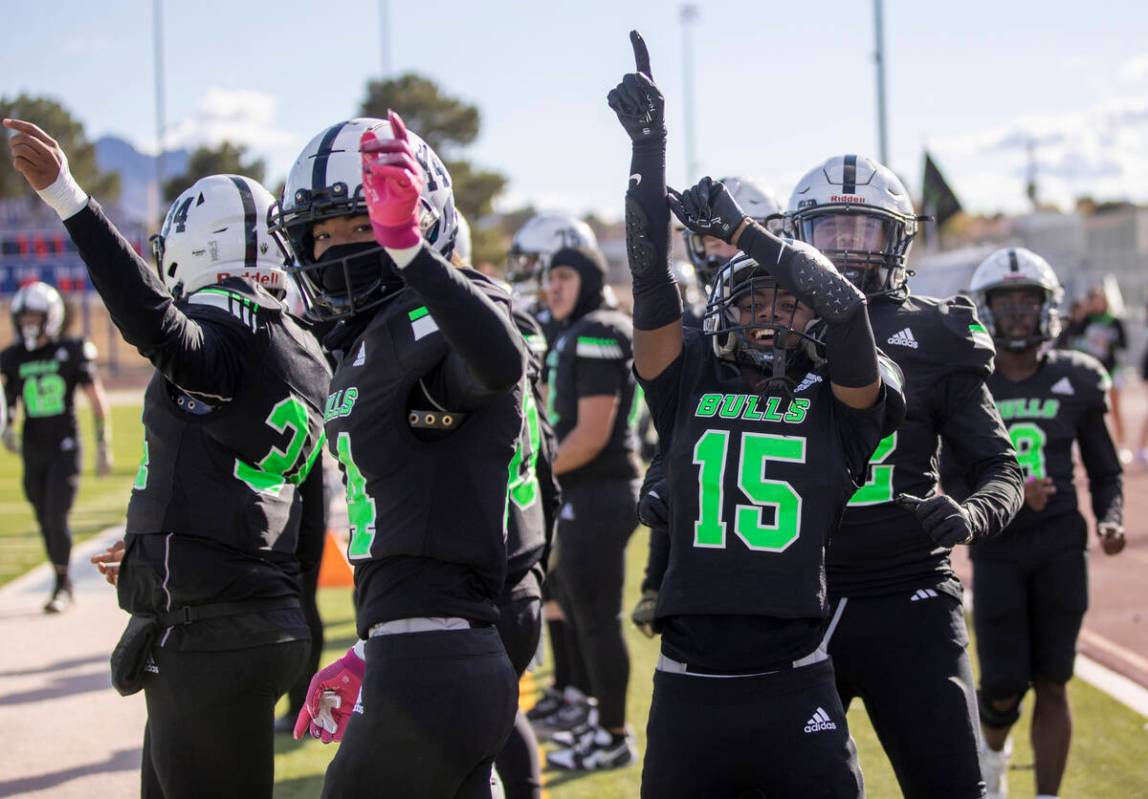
335 569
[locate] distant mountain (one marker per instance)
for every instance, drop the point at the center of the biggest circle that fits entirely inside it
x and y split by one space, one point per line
136 170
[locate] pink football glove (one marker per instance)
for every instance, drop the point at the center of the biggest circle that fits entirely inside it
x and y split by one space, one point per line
392 182
331 698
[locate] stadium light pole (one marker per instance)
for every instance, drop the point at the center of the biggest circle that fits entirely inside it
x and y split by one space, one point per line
160 124
385 37
689 14
879 62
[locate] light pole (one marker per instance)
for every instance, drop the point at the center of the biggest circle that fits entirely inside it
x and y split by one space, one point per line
160 124
879 61
689 14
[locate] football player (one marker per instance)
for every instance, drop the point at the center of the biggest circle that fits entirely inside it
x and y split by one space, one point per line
898 637
1030 584
532 513
424 415
593 406
42 371
233 423
764 442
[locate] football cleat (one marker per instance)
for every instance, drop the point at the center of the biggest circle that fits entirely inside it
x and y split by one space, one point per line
61 600
546 706
994 770
597 751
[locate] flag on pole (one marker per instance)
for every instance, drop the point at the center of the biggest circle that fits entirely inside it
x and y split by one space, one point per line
937 198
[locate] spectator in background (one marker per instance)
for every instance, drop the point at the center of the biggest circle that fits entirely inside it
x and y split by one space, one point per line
1099 331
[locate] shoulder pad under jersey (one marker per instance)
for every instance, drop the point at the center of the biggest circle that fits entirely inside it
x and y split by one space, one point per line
950 336
1085 376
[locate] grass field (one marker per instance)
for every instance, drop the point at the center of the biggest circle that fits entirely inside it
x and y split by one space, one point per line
1108 757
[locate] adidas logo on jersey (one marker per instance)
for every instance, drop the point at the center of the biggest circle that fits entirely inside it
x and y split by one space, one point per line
904 338
923 593
810 379
1062 386
820 722
361 358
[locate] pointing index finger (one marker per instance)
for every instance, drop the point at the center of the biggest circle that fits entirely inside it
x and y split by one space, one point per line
20 126
398 128
641 54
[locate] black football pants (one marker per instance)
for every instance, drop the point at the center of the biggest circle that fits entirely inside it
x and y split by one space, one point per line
436 709
51 479
520 626
905 656
210 721
595 523
773 736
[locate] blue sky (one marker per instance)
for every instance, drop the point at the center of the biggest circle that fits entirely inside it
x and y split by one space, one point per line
778 87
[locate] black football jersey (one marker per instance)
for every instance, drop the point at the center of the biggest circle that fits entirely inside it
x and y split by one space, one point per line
231 473
528 493
427 517
44 381
594 357
945 355
1043 414
756 484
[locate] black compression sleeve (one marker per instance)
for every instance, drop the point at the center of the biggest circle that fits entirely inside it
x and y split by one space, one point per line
804 272
657 302
974 435
1105 474
852 352
198 357
481 332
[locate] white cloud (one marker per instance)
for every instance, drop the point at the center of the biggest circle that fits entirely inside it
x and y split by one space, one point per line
236 115
1135 69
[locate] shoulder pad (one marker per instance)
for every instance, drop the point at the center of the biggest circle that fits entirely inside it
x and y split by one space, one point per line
531 331
1085 371
951 334
242 306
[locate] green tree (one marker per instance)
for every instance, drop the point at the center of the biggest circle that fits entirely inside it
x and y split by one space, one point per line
226 159
58 123
448 124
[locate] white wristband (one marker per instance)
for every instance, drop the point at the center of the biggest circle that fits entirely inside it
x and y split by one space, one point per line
403 257
64 196
360 650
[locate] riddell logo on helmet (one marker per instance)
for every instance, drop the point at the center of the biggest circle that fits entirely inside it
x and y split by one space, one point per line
845 198
262 278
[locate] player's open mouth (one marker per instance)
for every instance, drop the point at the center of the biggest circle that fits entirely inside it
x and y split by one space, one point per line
762 335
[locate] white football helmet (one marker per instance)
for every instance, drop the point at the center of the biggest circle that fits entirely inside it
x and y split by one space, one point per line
326 182
1016 267
462 243
859 215
758 203
38 298
539 239
215 230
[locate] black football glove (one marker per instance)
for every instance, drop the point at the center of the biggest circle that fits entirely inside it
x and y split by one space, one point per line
643 614
943 518
637 101
707 208
652 509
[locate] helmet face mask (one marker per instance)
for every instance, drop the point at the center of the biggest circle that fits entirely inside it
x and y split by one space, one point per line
1014 285
326 183
46 307
858 214
753 322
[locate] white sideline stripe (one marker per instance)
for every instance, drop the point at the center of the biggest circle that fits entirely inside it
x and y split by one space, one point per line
1114 649
80 554
1119 687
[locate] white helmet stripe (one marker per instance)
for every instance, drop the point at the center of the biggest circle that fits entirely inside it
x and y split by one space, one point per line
250 255
319 168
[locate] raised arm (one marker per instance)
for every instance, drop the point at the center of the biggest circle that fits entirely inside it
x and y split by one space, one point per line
657 303
202 359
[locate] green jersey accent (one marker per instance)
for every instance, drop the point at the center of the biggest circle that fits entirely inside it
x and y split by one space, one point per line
141 476
1028 440
1028 408
341 403
710 454
879 487
279 466
748 407
523 488
361 513
45 395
